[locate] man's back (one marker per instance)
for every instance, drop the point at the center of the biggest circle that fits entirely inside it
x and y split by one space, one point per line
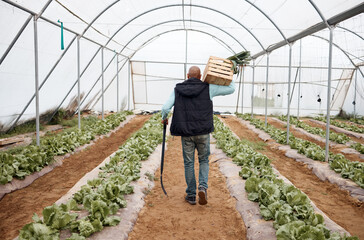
192 109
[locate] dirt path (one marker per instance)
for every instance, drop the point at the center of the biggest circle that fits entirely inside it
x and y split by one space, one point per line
337 149
172 218
17 208
337 204
312 124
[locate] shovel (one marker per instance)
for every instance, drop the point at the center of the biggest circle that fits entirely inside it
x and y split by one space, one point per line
162 158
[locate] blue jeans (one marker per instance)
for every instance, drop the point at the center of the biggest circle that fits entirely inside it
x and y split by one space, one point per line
202 144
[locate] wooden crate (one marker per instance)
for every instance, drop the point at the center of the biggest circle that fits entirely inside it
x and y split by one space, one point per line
218 71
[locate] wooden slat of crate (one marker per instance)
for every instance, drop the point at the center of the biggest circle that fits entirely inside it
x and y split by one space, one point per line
218 78
218 71
228 65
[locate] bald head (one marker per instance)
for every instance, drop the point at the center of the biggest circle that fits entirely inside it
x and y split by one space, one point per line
194 72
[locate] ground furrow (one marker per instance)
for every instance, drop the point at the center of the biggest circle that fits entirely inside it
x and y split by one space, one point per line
17 208
333 201
348 152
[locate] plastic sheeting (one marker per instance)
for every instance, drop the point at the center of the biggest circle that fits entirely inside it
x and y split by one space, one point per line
157 31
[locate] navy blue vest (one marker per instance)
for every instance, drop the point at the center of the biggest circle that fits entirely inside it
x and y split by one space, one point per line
193 110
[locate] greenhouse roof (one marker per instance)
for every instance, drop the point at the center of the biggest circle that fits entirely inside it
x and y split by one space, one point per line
185 32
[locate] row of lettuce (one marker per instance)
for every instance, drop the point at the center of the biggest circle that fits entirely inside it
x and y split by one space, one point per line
333 136
293 215
358 120
103 196
25 161
344 125
348 169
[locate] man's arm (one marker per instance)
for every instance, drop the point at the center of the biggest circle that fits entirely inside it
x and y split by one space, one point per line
218 90
168 106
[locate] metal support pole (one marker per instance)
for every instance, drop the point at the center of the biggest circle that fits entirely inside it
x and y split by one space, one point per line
41 85
289 90
266 90
252 97
102 82
95 83
186 55
237 100
328 97
299 82
242 89
129 72
107 87
36 79
117 83
78 83
356 77
73 85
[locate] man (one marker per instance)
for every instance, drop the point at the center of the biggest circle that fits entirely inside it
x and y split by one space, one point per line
193 121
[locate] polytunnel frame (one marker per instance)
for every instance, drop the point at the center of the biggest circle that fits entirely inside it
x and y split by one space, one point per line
340 17
36 16
286 42
152 38
177 5
82 36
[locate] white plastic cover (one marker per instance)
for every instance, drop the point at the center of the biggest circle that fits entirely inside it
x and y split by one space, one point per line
163 39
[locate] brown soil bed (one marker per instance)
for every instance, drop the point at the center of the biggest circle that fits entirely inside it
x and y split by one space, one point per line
337 149
337 204
172 218
359 140
17 208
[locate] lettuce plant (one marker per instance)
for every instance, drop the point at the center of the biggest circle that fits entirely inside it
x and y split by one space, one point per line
293 215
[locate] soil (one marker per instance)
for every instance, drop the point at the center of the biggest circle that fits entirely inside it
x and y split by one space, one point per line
172 218
17 208
337 149
359 140
336 203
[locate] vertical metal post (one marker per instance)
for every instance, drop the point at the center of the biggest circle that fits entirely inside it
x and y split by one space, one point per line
185 77
102 82
129 72
266 90
78 82
289 90
299 82
36 79
328 96
242 89
356 77
117 83
252 97
145 83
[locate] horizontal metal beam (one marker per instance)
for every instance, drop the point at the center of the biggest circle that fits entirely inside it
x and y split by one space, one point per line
315 28
358 9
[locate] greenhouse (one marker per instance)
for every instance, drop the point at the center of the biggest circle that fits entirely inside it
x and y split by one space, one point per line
99 101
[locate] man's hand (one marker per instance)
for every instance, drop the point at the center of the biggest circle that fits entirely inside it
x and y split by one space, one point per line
165 121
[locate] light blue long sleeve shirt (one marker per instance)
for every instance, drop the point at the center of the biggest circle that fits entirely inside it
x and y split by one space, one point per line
214 90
